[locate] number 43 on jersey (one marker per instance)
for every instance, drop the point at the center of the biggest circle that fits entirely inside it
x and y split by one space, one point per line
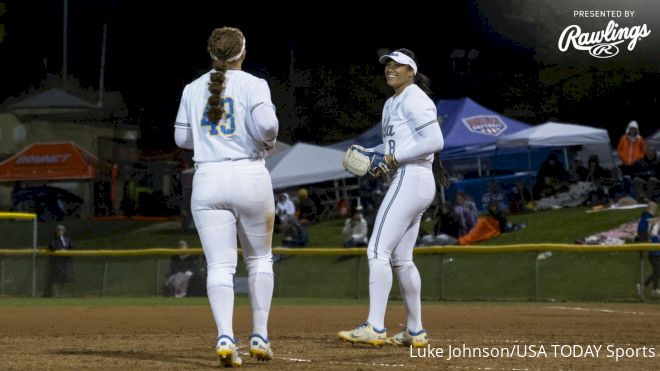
227 124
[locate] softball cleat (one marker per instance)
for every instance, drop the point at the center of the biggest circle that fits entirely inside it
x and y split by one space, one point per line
364 334
405 338
227 353
260 348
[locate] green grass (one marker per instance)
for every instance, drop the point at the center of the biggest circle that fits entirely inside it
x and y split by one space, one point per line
555 226
563 225
502 276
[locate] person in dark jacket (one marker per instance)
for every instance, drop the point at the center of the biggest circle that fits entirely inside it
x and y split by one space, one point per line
306 207
599 177
647 173
60 267
448 221
551 178
182 268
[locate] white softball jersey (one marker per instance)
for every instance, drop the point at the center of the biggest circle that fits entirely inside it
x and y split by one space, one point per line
412 134
410 127
235 136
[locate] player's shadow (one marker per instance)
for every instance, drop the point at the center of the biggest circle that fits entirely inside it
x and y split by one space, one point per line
137 356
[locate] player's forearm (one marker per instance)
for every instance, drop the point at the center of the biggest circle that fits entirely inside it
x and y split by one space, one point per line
265 122
427 141
183 137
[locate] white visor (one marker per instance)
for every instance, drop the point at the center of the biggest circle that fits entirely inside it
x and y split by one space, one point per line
400 58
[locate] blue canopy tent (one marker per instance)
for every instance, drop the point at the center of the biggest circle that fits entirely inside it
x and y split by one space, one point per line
468 128
471 129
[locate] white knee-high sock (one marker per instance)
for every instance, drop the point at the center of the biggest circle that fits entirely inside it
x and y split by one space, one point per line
221 298
380 284
410 284
261 294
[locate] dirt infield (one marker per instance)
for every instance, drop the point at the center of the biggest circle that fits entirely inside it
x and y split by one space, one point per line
304 337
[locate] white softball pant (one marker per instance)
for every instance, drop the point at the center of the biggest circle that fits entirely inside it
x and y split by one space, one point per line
230 199
397 223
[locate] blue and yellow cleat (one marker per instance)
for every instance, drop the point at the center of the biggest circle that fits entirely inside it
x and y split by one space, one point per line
227 353
260 348
405 338
364 334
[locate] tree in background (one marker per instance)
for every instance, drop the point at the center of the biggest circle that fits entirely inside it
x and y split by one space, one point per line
3 32
325 104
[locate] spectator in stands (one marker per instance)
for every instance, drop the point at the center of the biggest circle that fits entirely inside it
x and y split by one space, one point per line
520 197
448 223
599 177
306 208
631 148
355 230
446 230
646 175
284 209
551 178
60 267
494 194
643 226
654 259
577 172
295 234
467 213
500 215
182 268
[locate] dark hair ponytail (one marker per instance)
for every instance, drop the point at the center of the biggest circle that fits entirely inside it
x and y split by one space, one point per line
421 80
223 44
216 87
424 83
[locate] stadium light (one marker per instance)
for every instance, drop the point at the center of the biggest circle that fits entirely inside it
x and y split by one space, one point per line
457 54
472 54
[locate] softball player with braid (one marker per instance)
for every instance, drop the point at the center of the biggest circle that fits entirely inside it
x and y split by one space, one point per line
227 117
411 136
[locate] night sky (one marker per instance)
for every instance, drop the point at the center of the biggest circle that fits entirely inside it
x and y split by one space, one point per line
155 48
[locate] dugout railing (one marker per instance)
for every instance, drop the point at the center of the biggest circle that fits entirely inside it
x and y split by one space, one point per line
535 272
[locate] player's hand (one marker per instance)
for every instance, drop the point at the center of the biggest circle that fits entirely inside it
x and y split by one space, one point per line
391 162
380 165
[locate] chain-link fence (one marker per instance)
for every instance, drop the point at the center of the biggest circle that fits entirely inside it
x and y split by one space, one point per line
571 274
18 273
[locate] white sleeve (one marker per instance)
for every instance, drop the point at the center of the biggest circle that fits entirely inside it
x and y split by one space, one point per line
347 232
290 208
426 134
362 231
183 138
182 129
263 115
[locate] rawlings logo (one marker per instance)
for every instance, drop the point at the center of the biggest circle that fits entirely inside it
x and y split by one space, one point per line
486 125
601 44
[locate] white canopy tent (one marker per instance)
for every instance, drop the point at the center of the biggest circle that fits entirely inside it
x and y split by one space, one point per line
301 164
654 141
306 164
555 134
